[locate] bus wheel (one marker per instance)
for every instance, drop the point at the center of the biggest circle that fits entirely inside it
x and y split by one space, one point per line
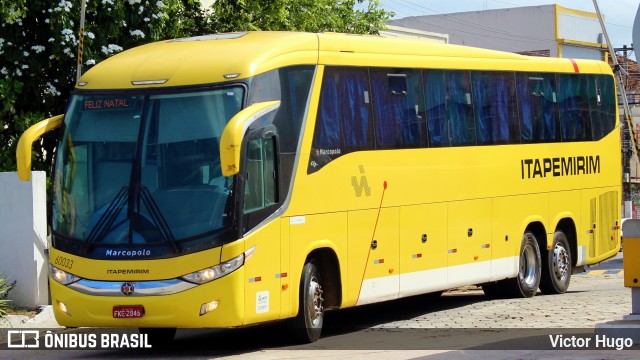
307 325
528 280
158 337
556 266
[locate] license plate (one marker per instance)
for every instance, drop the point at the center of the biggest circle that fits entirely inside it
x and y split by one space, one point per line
128 311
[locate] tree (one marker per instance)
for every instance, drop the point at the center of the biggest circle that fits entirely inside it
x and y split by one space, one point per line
39 51
299 15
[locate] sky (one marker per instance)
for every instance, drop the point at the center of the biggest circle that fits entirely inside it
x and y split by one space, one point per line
619 15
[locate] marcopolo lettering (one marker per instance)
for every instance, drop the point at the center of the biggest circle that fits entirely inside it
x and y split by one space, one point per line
559 166
128 253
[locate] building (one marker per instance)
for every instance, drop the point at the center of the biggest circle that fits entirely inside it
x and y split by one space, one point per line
547 30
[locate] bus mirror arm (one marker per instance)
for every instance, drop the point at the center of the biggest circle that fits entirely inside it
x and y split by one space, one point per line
23 150
233 133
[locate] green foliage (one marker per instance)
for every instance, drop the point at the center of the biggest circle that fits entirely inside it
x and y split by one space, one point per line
5 287
299 15
39 52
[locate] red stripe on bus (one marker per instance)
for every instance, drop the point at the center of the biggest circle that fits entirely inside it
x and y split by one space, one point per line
575 66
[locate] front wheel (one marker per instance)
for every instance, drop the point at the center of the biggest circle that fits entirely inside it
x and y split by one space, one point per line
307 325
528 280
556 266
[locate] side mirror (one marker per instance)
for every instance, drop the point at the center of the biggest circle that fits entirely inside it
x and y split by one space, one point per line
23 151
231 139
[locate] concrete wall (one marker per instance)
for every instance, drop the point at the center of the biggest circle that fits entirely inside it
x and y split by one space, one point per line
23 237
514 30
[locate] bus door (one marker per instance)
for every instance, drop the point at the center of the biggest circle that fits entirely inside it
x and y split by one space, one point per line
249 152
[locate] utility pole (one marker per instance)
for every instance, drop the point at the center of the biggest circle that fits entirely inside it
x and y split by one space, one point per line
620 72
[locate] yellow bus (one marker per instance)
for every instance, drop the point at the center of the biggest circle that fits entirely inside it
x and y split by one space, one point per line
240 178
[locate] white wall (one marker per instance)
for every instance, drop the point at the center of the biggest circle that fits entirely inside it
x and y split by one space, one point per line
23 237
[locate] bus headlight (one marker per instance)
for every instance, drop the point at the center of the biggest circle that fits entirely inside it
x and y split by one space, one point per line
215 272
61 276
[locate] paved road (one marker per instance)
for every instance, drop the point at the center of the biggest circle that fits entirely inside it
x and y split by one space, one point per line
421 327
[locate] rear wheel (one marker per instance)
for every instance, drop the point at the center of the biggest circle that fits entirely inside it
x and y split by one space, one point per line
307 325
528 280
556 266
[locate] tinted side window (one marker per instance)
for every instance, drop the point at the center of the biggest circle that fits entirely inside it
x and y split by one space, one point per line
602 103
396 105
537 100
574 107
343 124
434 85
460 109
496 109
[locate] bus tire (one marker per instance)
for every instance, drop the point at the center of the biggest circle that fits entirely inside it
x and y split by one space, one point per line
307 325
556 266
158 337
526 283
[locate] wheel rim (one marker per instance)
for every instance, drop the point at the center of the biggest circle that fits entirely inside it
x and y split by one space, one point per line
315 305
560 261
528 265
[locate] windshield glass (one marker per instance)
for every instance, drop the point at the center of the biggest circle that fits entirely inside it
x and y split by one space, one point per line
143 171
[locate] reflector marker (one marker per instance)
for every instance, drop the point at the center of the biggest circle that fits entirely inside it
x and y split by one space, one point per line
486 246
255 279
452 251
281 275
378 261
589 232
416 256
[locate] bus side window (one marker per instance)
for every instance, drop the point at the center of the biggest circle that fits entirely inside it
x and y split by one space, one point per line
395 106
343 124
437 129
602 105
538 103
574 107
496 110
459 108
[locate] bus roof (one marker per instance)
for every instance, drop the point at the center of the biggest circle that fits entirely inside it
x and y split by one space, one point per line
231 56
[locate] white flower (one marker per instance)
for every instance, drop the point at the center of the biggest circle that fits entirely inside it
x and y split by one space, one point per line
111 49
124 23
90 62
25 54
38 48
90 35
110 2
160 4
133 2
25 66
18 72
146 19
67 51
137 33
4 71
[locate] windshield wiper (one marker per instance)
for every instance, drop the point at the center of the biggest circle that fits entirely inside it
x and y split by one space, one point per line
159 219
106 220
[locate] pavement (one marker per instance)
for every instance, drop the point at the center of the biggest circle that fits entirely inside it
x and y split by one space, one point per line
485 315
42 320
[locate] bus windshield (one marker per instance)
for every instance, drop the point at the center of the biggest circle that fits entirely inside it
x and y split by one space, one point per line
140 174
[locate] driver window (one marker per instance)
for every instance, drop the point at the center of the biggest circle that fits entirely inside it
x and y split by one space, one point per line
260 185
